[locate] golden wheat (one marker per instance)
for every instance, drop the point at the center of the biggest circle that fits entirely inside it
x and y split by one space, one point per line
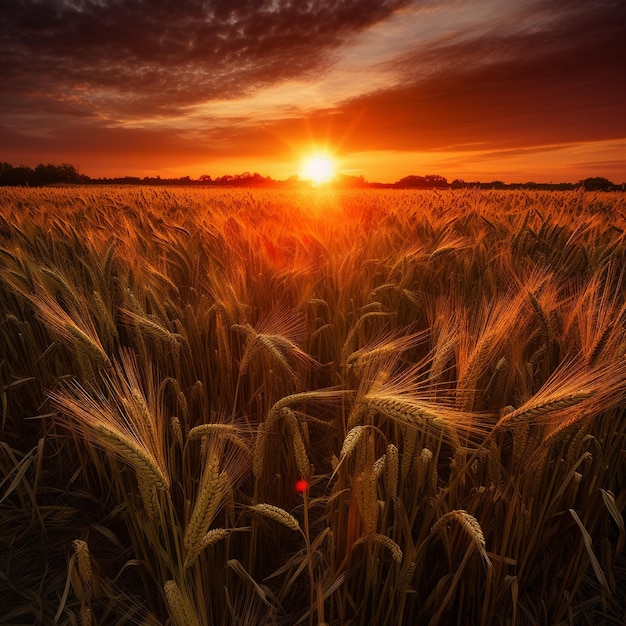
135 455
174 329
213 536
466 521
278 515
533 410
83 559
392 461
259 450
180 608
213 485
351 440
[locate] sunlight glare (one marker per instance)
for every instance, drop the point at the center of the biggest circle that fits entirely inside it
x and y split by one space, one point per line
318 168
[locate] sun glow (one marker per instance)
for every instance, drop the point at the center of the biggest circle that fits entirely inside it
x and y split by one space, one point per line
318 168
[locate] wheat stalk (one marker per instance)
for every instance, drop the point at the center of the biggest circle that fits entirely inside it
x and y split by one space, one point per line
211 429
259 450
467 522
151 328
83 559
350 441
543 317
443 354
416 412
105 314
141 413
348 346
535 409
390 544
134 454
370 501
382 347
405 577
177 431
213 536
379 466
86 617
392 470
278 515
179 606
302 458
322 395
229 432
213 485
90 345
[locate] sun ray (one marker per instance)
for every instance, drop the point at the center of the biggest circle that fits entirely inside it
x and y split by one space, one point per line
319 168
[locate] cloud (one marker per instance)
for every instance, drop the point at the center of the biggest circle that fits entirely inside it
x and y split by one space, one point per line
549 75
552 74
135 58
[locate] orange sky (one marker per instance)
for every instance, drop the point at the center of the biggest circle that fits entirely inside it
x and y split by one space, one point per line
479 89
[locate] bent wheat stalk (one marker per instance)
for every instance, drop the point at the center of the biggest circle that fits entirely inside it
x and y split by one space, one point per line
278 515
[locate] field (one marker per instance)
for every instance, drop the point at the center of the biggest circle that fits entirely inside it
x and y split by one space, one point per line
345 408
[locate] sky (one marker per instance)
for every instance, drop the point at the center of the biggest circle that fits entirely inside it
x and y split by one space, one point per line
470 89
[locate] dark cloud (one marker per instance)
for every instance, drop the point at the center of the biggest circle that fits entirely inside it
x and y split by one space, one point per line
138 57
531 81
561 36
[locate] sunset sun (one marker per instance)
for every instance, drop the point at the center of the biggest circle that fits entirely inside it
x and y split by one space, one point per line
318 168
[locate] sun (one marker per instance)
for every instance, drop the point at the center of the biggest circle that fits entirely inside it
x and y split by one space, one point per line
318 168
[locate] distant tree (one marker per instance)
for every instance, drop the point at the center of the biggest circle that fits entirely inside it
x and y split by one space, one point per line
16 176
434 180
596 184
413 181
53 174
40 175
346 181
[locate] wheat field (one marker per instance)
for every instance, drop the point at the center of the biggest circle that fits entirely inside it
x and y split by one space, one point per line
312 407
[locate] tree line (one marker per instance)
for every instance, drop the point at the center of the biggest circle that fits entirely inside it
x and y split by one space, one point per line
67 174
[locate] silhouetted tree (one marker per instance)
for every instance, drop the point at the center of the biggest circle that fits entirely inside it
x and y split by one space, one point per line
53 174
596 184
422 182
16 176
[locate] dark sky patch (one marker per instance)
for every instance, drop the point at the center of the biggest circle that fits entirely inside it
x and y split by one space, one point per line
149 57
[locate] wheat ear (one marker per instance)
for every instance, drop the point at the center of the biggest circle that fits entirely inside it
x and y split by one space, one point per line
180 609
152 328
351 440
83 560
533 410
302 458
177 431
213 484
259 450
370 502
86 618
134 454
391 545
278 515
304 396
226 431
392 463
469 524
